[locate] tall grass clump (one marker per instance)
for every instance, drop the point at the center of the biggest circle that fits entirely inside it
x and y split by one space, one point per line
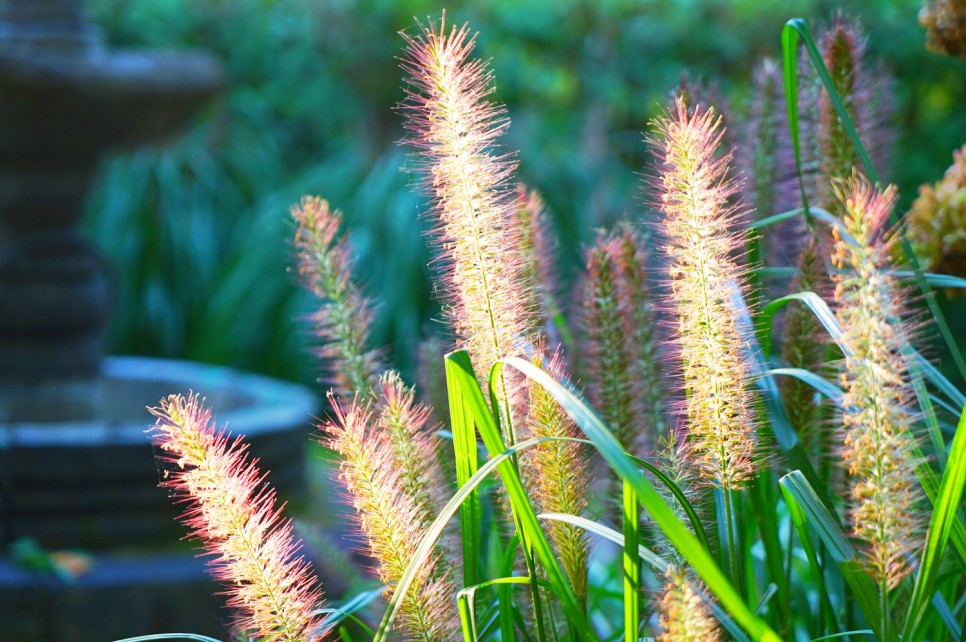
640 462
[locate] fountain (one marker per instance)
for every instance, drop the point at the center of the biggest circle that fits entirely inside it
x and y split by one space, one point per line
76 469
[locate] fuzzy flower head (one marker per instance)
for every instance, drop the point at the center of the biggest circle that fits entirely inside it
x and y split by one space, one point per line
620 355
937 221
866 93
390 517
684 613
700 234
232 511
343 318
885 501
559 473
454 127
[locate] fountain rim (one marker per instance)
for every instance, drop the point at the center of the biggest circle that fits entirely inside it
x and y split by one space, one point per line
274 403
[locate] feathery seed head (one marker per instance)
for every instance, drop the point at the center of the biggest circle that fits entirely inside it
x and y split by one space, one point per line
804 345
885 502
764 155
537 245
621 361
945 21
414 447
559 473
344 315
684 612
390 518
454 128
232 511
699 221
866 94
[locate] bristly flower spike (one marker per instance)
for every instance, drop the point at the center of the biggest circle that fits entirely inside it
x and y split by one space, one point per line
232 511
390 517
620 355
539 271
455 128
699 226
559 483
344 315
885 501
866 95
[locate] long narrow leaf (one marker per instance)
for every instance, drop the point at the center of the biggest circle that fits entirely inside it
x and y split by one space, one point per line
940 528
800 494
678 534
465 449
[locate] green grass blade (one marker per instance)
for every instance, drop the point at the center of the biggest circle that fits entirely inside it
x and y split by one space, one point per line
689 510
465 449
948 618
489 430
827 388
799 492
631 519
818 307
678 534
941 524
800 522
773 219
933 279
466 602
339 614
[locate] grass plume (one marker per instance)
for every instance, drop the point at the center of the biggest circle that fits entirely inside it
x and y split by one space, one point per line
559 475
231 509
885 500
390 517
454 128
699 226
343 317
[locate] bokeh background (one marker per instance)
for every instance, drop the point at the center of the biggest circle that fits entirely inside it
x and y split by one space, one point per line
200 230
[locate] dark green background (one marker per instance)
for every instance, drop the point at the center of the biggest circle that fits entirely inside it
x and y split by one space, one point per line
200 230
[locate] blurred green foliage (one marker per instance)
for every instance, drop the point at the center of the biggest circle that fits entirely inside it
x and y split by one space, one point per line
199 230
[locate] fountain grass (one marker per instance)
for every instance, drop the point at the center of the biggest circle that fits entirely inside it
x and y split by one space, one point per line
855 534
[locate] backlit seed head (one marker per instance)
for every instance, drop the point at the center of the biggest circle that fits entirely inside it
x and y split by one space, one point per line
343 318
232 511
454 127
700 231
879 455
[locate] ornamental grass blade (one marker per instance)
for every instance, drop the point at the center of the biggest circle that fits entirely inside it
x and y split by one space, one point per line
944 517
464 376
466 456
800 496
631 519
827 388
678 534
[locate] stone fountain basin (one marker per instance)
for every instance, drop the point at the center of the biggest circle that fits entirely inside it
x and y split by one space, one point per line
78 470
73 107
